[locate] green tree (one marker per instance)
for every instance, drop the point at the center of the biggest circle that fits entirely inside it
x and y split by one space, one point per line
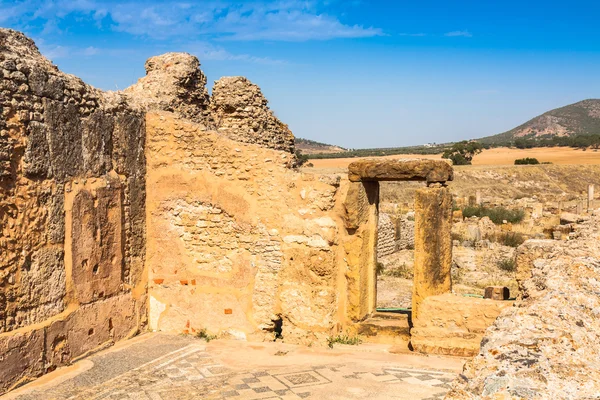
462 153
302 158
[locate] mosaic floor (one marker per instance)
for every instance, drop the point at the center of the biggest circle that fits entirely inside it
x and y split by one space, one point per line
193 372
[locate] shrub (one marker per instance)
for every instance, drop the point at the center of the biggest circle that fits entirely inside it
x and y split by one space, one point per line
507 264
379 268
511 239
401 272
527 161
203 334
496 214
343 339
302 158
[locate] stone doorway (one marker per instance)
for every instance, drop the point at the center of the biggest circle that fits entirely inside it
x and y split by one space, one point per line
395 246
433 247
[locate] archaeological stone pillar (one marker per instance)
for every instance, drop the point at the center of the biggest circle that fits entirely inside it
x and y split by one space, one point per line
433 244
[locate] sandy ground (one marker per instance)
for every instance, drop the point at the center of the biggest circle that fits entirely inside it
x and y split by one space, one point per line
498 156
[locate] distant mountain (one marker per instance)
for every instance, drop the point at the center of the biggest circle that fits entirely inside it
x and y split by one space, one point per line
582 118
307 146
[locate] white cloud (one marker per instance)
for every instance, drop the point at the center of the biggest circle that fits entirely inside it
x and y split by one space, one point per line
52 51
459 34
284 20
90 51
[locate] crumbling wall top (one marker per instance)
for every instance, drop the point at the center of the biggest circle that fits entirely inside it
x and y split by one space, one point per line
240 111
174 82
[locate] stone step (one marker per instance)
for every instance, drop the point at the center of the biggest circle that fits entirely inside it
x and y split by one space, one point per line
385 329
389 315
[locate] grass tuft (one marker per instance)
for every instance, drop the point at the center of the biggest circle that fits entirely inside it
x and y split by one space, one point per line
203 334
343 339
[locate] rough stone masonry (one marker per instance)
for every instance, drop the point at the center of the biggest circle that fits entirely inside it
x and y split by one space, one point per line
163 208
72 215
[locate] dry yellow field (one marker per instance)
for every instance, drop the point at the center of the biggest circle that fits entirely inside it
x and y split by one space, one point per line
497 156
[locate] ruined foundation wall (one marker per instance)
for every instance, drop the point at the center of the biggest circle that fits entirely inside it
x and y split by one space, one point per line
546 347
237 242
72 215
386 236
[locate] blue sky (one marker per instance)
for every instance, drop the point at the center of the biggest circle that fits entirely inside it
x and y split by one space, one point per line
353 73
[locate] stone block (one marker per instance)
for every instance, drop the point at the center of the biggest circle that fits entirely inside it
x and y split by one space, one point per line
37 153
97 243
496 293
454 325
55 227
356 205
42 285
433 244
21 358
64 139
88 328
400 170
128 144
97 143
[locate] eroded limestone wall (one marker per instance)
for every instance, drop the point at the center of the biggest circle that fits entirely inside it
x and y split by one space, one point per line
546 347
237 241
72 215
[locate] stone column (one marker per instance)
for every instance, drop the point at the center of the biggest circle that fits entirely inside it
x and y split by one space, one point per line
433 244
590 197
478 198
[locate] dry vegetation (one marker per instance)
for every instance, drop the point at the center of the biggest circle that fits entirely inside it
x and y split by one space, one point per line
495 156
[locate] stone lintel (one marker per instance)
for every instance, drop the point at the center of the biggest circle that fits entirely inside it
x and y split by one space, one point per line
405 169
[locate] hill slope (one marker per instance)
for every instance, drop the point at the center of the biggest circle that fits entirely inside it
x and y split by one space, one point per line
582 118
311 147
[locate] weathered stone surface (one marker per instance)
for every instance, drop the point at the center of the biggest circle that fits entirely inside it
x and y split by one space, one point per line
173 82
433 245
22 357
528 253
97 243
57 135
454 325
357 201
412 169
96 143
240 112
546 347
570 218
496 293
37 152
233 229
64 139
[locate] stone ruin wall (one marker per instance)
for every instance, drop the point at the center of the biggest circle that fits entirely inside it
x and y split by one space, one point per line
238 243
386 236
72 215
235 242
395 233
546 347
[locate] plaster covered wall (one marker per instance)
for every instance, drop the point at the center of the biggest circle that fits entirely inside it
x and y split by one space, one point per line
238 241
72 215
